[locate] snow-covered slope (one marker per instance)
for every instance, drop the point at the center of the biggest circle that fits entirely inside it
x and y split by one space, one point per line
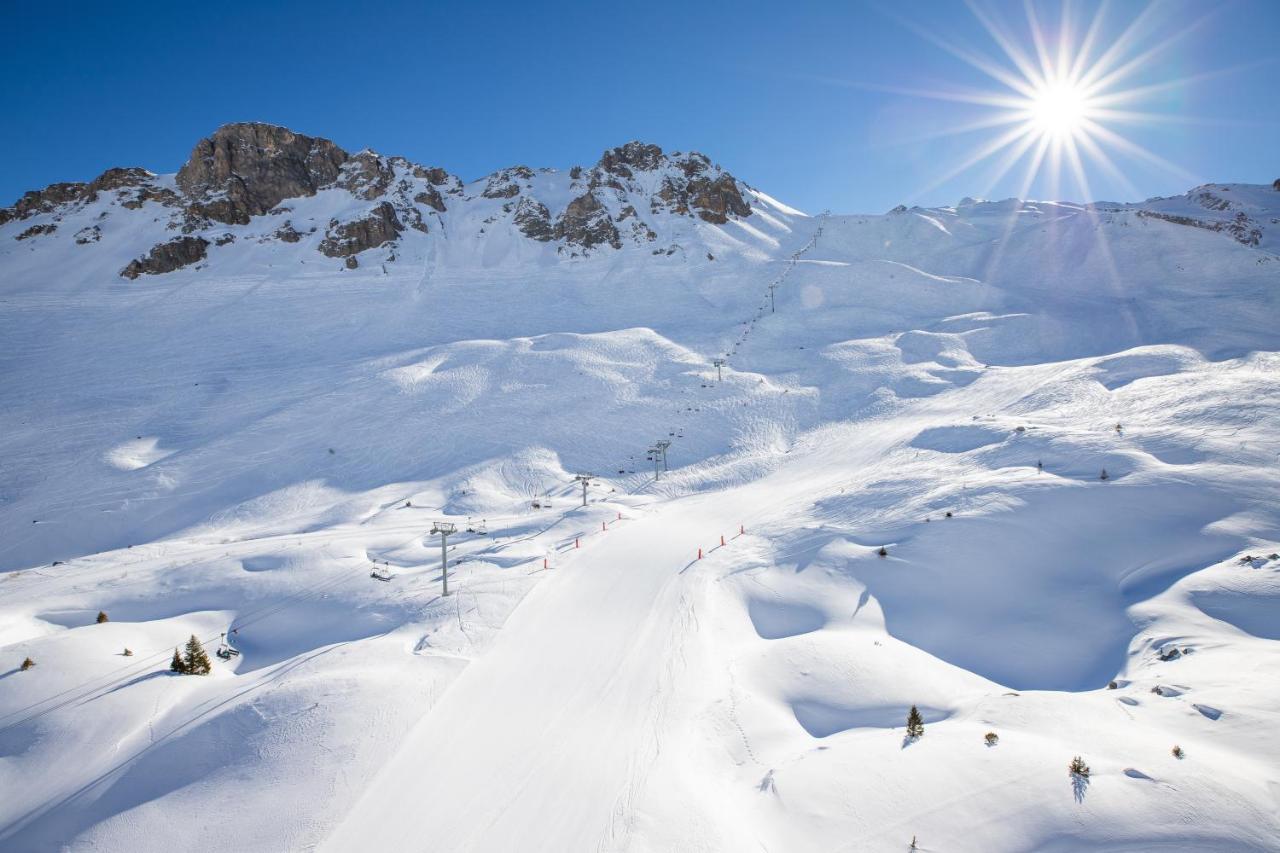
233 445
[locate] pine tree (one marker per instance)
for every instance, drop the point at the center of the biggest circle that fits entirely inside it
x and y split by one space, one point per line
1177 751
1078 768
128 652
883 552
992 738
196 660
102 616
177 664
915 723
1104 475
27 663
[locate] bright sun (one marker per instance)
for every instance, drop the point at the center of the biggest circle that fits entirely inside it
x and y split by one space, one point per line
1058 110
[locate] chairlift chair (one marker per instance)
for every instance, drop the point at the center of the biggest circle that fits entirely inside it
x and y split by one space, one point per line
226 651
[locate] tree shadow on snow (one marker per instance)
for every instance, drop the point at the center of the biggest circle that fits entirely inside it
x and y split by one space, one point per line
1079 785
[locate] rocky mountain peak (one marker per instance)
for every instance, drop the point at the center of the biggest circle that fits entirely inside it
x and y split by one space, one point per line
634 155
247 168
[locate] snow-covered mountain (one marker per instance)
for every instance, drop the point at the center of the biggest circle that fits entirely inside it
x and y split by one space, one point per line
1013 463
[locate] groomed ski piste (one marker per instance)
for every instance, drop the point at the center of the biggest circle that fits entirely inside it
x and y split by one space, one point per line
234 449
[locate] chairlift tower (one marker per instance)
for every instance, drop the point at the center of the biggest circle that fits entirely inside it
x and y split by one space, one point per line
584 479
772 309
655 454
719 363
661 447
444 528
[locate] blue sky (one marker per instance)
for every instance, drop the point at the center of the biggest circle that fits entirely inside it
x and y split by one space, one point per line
814 103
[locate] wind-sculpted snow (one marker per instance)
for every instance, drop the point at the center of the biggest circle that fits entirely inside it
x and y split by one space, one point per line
1011 463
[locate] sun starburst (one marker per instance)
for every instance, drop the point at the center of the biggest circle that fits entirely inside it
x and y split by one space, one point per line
1065 96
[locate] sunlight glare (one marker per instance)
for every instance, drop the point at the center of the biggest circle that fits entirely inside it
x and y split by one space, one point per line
1058 110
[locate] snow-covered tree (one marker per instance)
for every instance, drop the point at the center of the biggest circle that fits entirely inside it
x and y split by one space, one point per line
102 616
177 664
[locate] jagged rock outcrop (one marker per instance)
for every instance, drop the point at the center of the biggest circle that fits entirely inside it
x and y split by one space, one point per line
634 155
587 223
44 201
506 183
246 169
534 220
376 228
168 257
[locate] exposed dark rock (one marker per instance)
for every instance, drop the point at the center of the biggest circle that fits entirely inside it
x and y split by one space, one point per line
168 257
433 175
376 228
224 239
576 172
902 208
121 178
431 198
1241 229
586 222
534 220
91 234
715 200
45 200
36 231
1276 186
246 169
366 175
504 184
287 233
351 262
634 155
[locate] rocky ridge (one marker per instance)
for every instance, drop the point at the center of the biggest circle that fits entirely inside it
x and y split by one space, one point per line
246 179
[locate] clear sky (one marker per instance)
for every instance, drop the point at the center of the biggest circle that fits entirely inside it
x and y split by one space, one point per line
819 104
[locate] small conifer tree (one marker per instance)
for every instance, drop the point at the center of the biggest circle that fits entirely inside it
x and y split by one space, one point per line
128 652
196 659
102 616
1104 475
1078 768
883 552
915 723
992 738
27 663
1177 751
177 664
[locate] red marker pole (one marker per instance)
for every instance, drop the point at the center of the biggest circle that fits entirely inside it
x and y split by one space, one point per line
575 542
722 540
604 525
544 562
699 553
741 530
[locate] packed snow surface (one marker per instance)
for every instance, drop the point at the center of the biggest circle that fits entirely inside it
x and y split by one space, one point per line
894 495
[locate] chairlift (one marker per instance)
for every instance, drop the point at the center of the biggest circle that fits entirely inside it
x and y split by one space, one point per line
381 573
226 651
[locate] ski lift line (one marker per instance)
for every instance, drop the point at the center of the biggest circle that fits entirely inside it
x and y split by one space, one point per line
255 617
